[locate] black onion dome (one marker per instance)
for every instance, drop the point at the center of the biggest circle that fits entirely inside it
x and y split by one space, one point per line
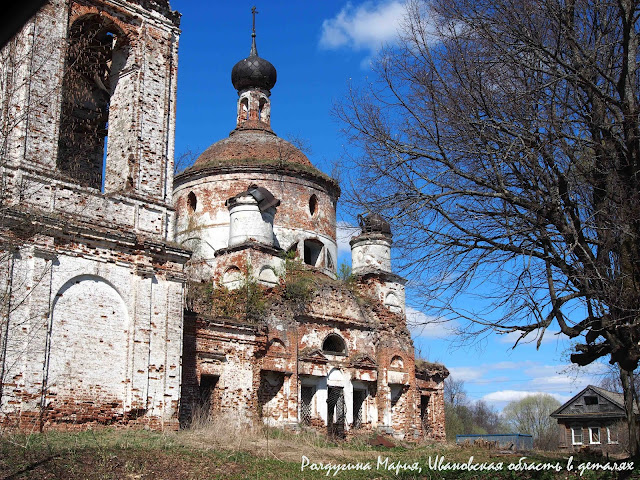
254 72
374 223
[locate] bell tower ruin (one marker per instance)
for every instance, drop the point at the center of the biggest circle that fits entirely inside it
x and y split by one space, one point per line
91 322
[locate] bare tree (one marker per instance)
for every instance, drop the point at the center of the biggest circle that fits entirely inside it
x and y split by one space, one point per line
454 392
186 159
501 139
465 417
611 381
488 418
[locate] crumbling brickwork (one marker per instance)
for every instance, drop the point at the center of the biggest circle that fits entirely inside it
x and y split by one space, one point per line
91 329
94 328
322 353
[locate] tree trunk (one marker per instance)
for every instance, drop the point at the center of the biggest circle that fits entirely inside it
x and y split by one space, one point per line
628 390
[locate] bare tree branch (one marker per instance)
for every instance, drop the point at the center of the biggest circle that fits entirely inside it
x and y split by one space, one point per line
502 140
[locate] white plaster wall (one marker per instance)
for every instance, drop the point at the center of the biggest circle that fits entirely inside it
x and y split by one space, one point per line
236 383
89 325
369 253
207 229
274 411
114 335
33 89
53 196
26 327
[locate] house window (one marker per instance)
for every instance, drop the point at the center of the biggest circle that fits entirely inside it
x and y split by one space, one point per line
576 435
594 434
612 436
591 400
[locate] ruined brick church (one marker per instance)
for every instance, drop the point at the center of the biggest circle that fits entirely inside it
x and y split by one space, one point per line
130 297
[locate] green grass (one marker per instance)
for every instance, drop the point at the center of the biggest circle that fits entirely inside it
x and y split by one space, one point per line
270 454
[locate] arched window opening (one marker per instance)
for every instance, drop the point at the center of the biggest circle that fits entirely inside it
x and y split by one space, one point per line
232 278
313 205
392 302
264 110
312 252
330 263
334 345
277 346
396 362
268 276
192 202
96 54
243 114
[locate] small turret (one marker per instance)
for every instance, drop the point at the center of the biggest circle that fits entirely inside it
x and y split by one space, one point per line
371 250
371 261
251 216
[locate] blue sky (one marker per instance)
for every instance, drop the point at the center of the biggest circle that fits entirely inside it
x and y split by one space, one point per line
318 48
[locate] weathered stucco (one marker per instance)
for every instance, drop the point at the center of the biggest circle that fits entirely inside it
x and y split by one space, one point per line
91 329
95 327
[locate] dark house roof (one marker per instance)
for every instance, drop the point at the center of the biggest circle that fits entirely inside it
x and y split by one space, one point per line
612 406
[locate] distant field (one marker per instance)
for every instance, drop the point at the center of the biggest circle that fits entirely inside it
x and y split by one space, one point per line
216 452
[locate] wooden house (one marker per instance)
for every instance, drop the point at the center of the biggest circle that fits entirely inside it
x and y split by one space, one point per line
593 418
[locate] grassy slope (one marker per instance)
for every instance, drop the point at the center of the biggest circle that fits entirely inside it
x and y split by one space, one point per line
217 453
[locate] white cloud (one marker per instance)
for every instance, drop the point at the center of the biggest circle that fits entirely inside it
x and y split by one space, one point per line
478 374
345 232
538 370
467 374
531 339
510 365
503 397
521 378
365 27
555 383
566 376
563 377
428 326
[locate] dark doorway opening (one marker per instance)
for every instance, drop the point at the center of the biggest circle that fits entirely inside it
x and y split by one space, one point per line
206 403
312 251
335 412
424 412
306 404
359 397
